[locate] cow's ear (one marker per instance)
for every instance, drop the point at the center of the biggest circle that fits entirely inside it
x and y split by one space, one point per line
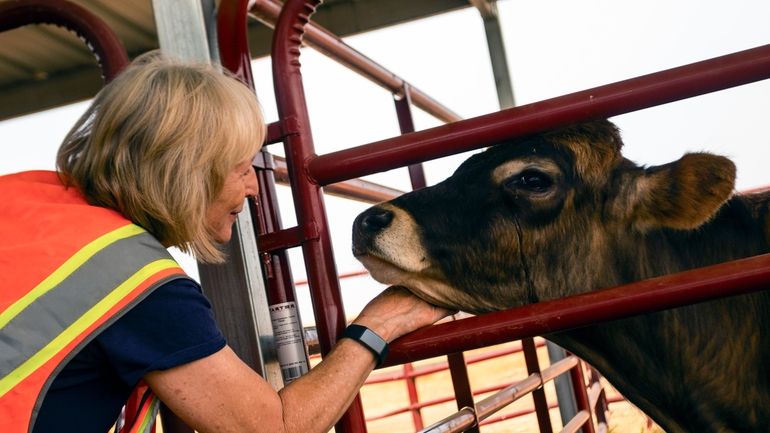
683 194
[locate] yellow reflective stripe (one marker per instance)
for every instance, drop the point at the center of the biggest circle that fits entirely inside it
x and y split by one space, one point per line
66 269
82 323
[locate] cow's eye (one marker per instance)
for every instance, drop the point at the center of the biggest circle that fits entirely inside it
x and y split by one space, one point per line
531 180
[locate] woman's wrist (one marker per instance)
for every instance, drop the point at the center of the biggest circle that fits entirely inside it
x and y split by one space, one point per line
369 339
377 326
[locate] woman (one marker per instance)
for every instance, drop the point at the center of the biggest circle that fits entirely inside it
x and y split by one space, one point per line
161 158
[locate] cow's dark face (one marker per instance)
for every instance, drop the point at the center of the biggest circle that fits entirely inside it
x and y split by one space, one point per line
526 221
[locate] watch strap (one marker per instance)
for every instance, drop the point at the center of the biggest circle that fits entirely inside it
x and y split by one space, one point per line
369 339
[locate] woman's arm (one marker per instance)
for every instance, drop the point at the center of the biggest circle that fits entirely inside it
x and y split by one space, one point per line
220 393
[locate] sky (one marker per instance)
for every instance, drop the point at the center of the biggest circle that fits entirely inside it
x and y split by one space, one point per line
553 48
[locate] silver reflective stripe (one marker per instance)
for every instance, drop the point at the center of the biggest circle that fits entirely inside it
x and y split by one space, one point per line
50 315
148 422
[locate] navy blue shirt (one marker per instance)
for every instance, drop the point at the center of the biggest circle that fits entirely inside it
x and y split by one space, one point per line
174 325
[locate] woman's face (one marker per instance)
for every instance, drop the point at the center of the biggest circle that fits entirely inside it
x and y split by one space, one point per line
240 183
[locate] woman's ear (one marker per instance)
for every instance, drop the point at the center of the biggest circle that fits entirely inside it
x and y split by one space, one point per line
683 194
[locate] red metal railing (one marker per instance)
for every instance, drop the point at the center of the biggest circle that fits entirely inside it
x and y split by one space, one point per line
273 242
307 172
698 285
269 10
408 374
96 35
605 101
294 236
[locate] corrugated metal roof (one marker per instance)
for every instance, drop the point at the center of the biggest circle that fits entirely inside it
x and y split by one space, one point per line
45 66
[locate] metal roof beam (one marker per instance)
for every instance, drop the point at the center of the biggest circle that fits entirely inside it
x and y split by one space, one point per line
494 33
135 24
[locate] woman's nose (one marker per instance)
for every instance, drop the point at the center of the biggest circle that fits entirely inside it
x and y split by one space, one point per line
252 187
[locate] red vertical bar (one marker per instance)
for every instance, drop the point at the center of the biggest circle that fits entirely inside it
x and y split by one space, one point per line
538 395
277 271
581 396
411 389
461 384
232 22
308 197
601 405
406 123
235 56
457 367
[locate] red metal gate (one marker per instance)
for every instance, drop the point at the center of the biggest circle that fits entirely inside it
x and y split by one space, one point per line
309 172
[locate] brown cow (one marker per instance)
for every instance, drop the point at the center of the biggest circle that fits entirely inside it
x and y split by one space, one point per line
563 212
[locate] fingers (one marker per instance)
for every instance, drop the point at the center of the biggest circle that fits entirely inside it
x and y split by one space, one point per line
396 311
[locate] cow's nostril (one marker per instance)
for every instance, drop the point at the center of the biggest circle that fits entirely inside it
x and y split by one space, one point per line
377 220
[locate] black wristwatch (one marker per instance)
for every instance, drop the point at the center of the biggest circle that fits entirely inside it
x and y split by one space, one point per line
369 339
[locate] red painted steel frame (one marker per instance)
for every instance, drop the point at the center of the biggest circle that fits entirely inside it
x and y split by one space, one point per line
581 396
99 38
308 197
308 172
457 367
606 101
327 43
538 395
232 21
698 285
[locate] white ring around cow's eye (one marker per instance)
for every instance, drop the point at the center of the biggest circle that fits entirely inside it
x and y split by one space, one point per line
531 180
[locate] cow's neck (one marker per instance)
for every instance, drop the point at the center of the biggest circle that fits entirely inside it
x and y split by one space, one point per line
665 346
738 230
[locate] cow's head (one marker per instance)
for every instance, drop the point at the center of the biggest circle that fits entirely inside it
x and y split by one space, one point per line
535 219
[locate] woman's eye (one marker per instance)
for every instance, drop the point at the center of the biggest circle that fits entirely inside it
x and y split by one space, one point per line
531 180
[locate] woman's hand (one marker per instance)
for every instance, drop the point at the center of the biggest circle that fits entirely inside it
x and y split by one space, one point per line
396 312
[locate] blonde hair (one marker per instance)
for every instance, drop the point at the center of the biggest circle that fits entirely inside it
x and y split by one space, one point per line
158 142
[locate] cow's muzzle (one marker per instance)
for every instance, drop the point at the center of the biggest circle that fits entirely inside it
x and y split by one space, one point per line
367 226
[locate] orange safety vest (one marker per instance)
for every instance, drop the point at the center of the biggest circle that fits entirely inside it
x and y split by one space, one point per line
67 270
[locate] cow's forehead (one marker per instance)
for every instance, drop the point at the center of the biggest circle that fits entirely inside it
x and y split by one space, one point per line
588 149
527 148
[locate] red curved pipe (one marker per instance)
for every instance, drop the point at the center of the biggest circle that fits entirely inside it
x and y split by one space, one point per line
232 27
292 109
308 197
100 39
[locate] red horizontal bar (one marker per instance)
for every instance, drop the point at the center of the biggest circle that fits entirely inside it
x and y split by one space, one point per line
606 101
341 277
281 239
522 412
274 133
698 285
424 371
354 189
437 401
